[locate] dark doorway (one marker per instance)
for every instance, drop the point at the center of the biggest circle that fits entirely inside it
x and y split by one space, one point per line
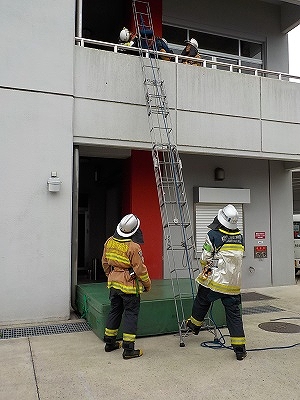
99 211
103 20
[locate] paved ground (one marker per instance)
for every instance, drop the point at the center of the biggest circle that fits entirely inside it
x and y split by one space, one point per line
75 366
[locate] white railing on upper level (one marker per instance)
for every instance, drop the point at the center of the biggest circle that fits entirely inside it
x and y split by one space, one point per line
179 59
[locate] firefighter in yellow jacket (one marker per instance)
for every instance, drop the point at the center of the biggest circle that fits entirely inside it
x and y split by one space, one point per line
123 264
221 261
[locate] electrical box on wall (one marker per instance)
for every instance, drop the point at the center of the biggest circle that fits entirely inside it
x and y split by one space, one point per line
54 182
260 251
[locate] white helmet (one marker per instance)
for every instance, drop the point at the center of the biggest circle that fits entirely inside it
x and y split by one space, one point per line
124 35
128 225
193 42
228 216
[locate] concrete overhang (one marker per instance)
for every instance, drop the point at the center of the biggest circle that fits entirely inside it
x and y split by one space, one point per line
290 13
292 165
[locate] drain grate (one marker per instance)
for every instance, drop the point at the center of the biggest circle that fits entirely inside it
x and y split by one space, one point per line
260 309
254 296
11 333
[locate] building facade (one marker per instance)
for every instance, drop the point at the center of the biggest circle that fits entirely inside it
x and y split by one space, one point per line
76 149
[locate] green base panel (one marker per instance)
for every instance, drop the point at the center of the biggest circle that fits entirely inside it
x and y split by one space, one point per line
157 312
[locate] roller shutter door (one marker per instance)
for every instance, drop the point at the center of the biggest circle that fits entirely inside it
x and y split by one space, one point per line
205 213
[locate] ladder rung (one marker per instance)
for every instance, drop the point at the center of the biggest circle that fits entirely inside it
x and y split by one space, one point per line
153 82
175 201
159 108
157 112
158 100
181 205
167 191
144 26
166 129
151 66
184 224
171 162
156 94
176 248
168 182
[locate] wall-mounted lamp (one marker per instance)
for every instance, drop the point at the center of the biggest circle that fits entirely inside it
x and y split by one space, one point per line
54 182
219 174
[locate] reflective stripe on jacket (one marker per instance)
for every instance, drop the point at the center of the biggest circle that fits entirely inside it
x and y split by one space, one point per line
119 255
221 261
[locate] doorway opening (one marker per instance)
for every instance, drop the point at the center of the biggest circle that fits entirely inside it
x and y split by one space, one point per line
103 20
99 211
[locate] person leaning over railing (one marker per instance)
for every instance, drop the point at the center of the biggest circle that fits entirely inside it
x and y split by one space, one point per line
191 50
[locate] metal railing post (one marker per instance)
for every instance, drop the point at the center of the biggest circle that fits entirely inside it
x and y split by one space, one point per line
79 19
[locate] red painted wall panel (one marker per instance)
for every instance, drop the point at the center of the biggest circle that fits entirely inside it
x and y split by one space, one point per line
156 14
144 203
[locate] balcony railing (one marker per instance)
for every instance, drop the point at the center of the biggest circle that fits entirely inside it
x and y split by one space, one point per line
119 48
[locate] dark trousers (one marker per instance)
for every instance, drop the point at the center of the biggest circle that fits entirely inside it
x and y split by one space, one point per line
231 304
126 306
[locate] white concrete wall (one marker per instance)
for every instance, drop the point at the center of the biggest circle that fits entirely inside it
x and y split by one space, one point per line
38 122
36 138
270 211
36 44
241 19
212 111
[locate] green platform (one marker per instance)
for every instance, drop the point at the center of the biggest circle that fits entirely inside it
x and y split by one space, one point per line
157 314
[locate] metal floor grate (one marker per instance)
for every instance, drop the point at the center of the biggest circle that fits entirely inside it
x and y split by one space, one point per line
260 309
10 333
254 296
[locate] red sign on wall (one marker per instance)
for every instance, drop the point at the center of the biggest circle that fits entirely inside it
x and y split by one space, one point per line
260 235
260 251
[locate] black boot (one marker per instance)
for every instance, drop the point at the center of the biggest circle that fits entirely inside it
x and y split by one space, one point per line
240 352
194 328
129 351
111 343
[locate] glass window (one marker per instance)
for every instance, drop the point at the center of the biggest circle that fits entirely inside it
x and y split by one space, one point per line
251 50
216 43
174 35
216 46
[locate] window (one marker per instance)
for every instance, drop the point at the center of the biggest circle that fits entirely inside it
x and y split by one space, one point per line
219 44
251 50
216 47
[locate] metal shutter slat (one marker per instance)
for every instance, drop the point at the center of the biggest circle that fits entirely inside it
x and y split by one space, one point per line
205 213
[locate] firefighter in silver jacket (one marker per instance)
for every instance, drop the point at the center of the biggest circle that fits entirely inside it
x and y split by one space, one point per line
221 261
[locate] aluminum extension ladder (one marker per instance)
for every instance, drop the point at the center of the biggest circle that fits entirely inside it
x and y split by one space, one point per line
178 235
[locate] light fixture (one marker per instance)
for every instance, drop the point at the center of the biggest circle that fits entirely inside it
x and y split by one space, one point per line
54 182
219 174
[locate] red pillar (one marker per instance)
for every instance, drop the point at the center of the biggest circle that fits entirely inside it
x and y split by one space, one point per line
144 203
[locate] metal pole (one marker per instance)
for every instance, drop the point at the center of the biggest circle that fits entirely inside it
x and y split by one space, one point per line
74 248
79 18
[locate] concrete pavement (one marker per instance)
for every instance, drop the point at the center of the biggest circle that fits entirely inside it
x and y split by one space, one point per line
75 366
